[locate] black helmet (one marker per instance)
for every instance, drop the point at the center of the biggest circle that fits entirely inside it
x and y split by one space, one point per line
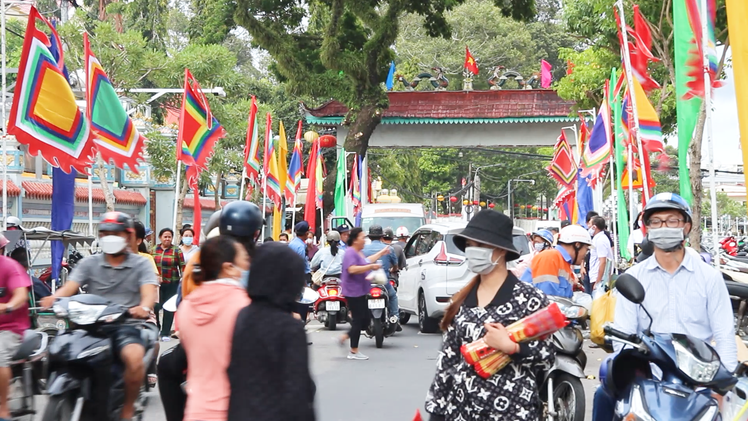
213 222
389 234
240 219
116 222
647 250
664 201
376 231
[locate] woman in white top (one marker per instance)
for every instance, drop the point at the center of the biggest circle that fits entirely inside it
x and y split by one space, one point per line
329 259
188 249
636 237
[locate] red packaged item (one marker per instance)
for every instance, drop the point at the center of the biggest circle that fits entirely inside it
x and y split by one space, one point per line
490 365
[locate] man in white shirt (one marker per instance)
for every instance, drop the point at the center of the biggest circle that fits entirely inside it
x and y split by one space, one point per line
601 252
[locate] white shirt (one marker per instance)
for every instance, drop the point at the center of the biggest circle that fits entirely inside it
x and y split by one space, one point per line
600 248
636 237
694 301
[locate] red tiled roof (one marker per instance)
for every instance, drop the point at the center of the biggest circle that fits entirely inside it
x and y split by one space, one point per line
81 194
129 197
38 190
13 190
462 104
205 203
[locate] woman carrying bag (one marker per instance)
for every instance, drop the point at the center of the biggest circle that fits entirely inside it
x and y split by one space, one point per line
493 299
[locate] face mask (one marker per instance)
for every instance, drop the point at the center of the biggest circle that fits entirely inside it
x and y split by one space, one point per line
479 260
591 231
309 241
244 278
539 246
187 241
112 244
667 239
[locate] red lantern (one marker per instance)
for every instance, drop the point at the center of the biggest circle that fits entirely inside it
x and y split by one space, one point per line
328 141
476 203
491 205
516 205
545 209
453 199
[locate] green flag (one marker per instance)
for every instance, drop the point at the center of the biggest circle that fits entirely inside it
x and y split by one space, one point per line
620 152
687 104
340 206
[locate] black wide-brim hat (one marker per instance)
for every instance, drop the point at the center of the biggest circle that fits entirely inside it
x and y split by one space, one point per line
492 228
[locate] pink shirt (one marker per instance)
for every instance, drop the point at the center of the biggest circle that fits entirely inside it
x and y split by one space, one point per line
12 277
206 326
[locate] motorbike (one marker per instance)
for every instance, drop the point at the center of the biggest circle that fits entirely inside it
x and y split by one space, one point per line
26 381
331 308
73 258
691 371
562 391
381 325
86 379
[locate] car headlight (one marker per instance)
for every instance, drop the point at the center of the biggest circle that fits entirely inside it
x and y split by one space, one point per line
83 314
697 370
637 410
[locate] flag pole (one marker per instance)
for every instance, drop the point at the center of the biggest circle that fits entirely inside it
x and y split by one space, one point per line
632 203
710 141
293 214
90 205
176 192
241 185
614 209
632 97
5 123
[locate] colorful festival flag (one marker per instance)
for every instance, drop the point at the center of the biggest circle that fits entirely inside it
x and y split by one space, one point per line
563 166
649 123
294 169
470 63
272 185
584 199
355 188
565 203
639 51
44 115
597 150
282 157
618 136
545 74
252 146
390 83
313 172
198 128
116 137
737 10
340 187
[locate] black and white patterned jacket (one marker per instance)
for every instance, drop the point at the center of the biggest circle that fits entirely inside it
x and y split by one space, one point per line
458 393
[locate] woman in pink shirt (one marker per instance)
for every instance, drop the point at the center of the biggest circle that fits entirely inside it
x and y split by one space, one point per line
206 324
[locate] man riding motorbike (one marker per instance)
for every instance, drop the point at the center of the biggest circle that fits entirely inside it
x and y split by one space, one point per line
389 264
124 278
684 294
389 236
551 271
243 221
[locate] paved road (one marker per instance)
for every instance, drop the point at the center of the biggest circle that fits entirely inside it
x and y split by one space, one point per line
391 385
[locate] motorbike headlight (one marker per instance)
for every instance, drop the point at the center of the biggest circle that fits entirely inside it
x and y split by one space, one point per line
59 310
572 312
697 370
83 314
638 410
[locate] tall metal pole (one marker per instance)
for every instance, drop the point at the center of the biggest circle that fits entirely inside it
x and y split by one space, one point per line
632 96
90 205
176 194
241 184
509 197
708 107
4 117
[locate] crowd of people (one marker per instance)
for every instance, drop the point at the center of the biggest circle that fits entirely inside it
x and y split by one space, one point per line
243 348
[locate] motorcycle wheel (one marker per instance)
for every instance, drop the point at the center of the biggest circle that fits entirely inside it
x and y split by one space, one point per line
59 408
332 321
378 332
568 397
404 318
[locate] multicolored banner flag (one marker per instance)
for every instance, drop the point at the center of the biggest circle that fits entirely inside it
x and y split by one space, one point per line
272 185
620 152
294 169
117 139
314 187
340 187
563 165
44 115
282 157
737 10
198 128
565 201
584 199
597 150
355 188
649 123
252 146
640 53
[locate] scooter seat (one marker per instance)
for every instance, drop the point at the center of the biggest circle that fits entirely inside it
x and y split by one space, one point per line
32 345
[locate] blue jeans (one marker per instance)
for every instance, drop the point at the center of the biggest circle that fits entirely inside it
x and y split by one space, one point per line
603 407
587 283
394 309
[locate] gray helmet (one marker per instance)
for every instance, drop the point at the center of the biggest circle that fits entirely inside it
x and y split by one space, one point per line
389 233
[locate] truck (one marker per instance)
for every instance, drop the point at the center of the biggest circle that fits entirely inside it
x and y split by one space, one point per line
394 215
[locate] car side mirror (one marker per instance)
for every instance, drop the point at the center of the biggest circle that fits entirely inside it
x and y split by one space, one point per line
630 288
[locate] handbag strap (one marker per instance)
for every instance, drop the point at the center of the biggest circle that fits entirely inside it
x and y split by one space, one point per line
329 265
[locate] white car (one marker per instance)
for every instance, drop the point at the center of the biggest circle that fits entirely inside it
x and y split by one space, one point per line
436 270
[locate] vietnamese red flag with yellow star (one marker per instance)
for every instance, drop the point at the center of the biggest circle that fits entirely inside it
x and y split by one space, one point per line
470 63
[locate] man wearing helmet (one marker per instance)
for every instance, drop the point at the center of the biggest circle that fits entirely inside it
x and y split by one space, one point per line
123 278
389 265
684 294
551 271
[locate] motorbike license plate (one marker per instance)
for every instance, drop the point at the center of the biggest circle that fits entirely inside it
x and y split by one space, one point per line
332 306
378 303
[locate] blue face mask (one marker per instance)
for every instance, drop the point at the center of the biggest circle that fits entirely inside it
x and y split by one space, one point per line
244 279
187 241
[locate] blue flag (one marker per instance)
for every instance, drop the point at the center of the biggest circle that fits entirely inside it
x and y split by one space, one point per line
391 77
585 201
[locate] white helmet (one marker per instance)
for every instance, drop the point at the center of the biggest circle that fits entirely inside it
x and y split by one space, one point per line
402 232
14 221
574 234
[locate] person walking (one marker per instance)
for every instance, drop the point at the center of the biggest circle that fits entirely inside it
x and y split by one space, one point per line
170 263
601 254
206 321
269 371
356 286
492 300
186 245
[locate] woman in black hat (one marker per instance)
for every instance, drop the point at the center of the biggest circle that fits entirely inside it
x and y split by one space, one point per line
493 299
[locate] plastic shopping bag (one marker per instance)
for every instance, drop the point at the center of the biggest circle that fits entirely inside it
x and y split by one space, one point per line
603 311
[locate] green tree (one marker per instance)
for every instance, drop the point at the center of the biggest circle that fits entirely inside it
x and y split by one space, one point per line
725 205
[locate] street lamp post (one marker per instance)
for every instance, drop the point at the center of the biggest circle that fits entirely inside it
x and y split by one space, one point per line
509 192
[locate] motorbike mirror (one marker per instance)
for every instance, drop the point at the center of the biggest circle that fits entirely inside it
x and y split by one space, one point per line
630 288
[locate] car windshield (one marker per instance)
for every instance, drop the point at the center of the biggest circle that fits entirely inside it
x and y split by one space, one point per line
412 223
520 243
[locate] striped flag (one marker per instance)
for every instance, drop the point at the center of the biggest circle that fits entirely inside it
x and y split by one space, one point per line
294 169
356 185
282 158
198 128
596 151
252 146
649 124
272 186
563 166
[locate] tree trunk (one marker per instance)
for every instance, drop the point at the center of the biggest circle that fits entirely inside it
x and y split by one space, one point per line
102 173
217 188
180 205
361 124
695 172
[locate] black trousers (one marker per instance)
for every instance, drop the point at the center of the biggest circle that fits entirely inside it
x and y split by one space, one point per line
303 309
165 293
172 367
359 307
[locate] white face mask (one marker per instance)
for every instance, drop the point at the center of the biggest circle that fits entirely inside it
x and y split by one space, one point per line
539 246
187 241
591 231
479 260
667 239
112 244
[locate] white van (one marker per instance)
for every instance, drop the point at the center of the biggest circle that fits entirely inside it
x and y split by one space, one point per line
394 215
